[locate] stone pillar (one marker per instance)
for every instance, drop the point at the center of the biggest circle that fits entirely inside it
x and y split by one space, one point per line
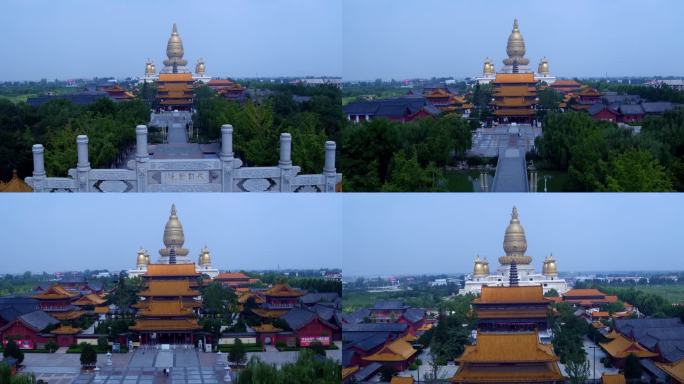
329 170
83 165
142 157
285 162
39 168
227 157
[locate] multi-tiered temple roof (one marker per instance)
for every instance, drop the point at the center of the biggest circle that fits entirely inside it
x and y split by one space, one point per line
508 358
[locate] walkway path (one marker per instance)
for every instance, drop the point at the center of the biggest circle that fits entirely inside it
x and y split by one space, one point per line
511 171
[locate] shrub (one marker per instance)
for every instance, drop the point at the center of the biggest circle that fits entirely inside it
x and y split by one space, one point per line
88 355
12 350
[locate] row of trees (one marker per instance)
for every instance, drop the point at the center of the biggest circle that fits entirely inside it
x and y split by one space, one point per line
383 155
110 128
258 125
308 369
599 156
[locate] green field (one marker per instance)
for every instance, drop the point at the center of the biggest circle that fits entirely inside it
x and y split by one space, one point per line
673 293
381 95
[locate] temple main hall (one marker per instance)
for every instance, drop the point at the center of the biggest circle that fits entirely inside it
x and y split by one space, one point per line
515 246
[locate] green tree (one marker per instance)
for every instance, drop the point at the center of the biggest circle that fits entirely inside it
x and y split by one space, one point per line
5 373
238 353
633 369
636 171
551 293
13 351
407 175
88 355
577 370
317 348
102 343
217 299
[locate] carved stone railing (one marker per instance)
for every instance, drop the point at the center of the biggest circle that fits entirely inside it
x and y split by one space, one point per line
223 174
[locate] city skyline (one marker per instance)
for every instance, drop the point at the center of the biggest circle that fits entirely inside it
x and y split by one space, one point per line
406 39
413 235
242 231
238 38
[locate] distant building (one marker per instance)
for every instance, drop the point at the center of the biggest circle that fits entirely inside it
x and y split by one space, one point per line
403 109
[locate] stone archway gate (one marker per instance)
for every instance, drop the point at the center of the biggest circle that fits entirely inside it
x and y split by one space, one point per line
222 174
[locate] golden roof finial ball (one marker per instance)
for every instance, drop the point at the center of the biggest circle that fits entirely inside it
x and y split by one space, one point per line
516 47
550 268
543 66
488 67
205 258
141 259
150 68
479 268
199 68
515 243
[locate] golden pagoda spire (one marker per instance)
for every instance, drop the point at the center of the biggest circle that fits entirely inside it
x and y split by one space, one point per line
516 47
174 238
515 242
174 53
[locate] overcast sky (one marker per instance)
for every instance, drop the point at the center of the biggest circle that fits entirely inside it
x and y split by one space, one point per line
394 234
55 232
424 38
237 38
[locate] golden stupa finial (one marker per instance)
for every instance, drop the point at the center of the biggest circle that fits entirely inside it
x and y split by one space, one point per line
515 25
175 30
514 214
173 209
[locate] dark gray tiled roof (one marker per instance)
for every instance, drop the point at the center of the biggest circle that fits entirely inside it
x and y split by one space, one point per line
626 326
347 356
391 108
650 366
657 107
389 304
313 298
366 341
596 108
631 109
324 312
356 316
298 318
38 320
367 371
375 327
414 315
672 350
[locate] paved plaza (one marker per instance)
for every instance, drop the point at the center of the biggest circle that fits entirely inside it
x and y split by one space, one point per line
487 142
146 365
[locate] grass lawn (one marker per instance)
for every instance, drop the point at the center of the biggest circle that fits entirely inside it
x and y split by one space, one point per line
461 181
673 293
